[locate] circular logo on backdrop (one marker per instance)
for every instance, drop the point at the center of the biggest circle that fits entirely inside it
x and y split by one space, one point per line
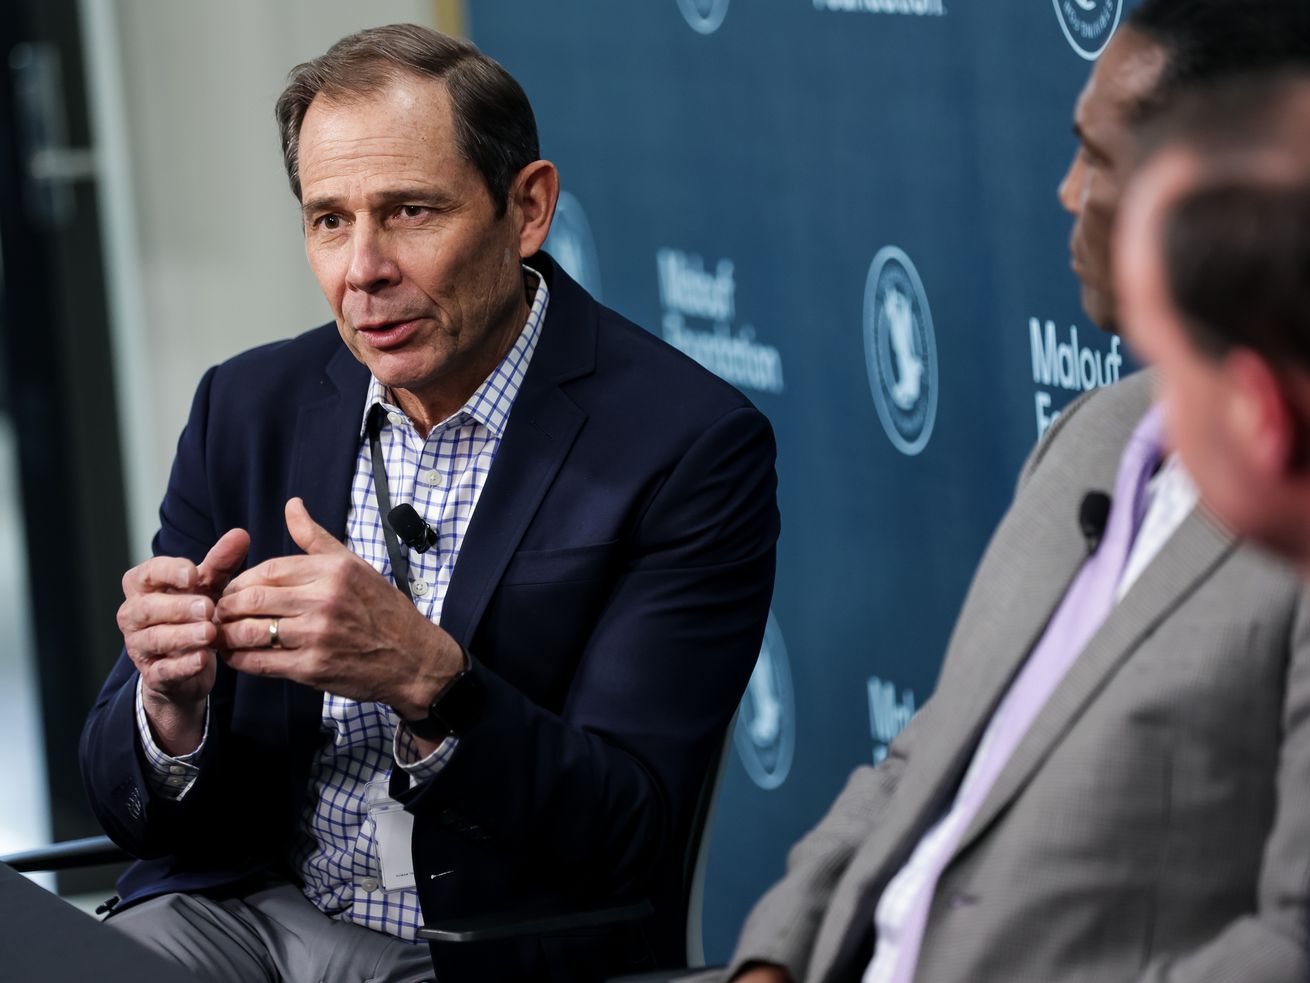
571 244
1088 24
766 721
900 351
704 16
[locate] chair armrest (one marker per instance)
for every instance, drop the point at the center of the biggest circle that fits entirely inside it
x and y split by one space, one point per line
537 921
89 852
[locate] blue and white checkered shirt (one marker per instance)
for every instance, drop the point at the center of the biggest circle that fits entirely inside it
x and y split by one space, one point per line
442 476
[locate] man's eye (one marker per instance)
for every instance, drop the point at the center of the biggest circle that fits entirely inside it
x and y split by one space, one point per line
329 222
412 211
1091 157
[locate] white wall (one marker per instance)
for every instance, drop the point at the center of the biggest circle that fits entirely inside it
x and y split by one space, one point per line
201 231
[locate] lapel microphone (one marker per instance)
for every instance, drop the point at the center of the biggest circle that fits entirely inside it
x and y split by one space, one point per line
1093 514
413 531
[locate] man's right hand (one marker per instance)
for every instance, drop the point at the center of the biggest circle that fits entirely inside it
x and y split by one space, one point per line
168 630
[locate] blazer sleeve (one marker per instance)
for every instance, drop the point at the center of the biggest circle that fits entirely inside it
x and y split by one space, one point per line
593 797
1270 943
112 760
784 924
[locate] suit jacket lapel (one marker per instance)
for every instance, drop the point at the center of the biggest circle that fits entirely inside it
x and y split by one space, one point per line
1033 557
323 457
538 435
1190 556
1185 562
327 445
1035 554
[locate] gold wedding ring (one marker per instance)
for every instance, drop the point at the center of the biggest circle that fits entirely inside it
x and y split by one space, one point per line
274 640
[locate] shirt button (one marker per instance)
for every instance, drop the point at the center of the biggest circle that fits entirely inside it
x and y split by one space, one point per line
175 781
421 588
396 418
177 769
431 477
368 884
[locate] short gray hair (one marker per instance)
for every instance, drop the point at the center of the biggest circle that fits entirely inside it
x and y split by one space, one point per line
494 125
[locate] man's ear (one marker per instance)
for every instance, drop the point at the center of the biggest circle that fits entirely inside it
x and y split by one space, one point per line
1267 414
1296 388
532 196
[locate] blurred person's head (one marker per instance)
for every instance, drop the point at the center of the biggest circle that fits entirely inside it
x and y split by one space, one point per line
1163 49
1212 266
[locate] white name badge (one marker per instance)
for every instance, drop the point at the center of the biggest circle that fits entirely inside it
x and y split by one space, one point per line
393 830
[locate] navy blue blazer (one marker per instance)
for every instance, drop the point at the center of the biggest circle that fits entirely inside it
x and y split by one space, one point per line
612 589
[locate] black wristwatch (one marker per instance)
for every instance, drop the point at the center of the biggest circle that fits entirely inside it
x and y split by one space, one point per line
454 710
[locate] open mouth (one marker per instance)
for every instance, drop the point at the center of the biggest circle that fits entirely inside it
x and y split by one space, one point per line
387 334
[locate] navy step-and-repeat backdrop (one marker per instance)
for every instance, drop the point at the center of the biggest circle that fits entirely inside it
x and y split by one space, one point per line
847 208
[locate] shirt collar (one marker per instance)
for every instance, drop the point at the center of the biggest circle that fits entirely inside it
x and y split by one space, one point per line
491 402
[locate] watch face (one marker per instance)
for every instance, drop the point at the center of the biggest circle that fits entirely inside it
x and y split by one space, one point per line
457 708
459 705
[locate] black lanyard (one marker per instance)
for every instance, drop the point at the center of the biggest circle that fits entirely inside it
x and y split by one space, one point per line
399 557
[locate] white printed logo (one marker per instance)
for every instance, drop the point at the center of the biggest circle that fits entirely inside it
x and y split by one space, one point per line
915 8
900 350
1088 24
572 246
1069 365
690 293
704 16
887 714
766 722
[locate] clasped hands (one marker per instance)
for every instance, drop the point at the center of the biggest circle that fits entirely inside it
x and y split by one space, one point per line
342 628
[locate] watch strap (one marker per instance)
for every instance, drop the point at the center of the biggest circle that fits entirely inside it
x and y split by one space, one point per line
455 709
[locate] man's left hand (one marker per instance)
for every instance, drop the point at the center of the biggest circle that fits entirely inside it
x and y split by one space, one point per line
341 627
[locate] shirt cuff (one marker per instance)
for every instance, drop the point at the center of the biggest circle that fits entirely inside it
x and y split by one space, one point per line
406 751
168 777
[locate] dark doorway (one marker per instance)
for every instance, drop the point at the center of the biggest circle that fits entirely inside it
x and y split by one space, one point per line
57 382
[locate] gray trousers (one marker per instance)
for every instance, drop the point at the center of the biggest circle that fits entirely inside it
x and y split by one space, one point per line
274 934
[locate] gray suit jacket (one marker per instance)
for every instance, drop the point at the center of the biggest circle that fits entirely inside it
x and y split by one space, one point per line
1154 824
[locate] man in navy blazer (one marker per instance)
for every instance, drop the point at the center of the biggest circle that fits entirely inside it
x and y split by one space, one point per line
613 519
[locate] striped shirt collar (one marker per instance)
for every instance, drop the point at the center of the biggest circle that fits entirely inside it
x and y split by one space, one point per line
491 402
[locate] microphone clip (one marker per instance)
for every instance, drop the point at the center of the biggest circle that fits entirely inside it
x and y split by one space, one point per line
1093 516
411 529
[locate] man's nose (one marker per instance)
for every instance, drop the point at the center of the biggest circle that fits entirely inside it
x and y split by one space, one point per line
1070 190
372 265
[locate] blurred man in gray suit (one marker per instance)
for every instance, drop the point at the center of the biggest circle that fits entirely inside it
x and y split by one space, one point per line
1112 780
1213 264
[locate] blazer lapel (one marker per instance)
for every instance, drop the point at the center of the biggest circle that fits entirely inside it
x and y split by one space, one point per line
1190 556
327 445
538 435
535 444
1035 554
323 456
1032 559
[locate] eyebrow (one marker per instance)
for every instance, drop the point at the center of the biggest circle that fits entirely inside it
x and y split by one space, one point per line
430 197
